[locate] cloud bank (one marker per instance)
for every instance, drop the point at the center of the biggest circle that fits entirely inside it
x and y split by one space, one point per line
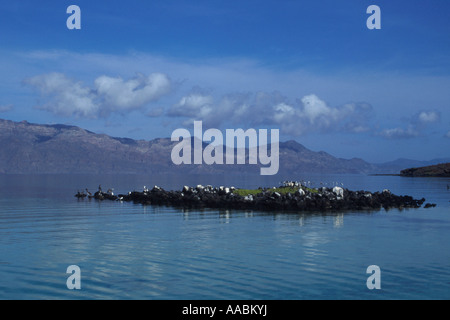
234 93
308 114
416 126
400 133
68 97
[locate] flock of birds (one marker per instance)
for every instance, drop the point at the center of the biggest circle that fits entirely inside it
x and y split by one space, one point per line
309 183
87 193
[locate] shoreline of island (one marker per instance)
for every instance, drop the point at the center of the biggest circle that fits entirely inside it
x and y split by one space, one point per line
441 170
291 196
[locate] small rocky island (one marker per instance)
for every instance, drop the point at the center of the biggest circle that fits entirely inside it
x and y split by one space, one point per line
439 170
291 196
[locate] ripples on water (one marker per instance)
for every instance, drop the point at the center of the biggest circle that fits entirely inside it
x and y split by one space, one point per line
128 251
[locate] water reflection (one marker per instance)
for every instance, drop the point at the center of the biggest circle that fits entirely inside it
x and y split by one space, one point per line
134 251
299 218
339 220
225 216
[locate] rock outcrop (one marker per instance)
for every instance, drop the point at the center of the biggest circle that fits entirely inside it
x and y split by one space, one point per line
267 199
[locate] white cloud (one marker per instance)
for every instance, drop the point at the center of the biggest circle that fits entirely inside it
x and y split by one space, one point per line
67 97
313 114
193 105
417 126
134 93
6 108
428 117
283 112
309 114
401 133
315 109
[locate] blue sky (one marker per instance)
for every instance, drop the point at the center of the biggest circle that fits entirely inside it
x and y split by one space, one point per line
141 69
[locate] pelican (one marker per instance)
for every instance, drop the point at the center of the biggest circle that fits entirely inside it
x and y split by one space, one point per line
80 195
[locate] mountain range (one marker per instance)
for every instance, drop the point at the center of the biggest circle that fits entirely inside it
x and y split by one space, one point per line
28 148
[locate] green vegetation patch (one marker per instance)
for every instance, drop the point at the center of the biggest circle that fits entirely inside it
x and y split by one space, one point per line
246 192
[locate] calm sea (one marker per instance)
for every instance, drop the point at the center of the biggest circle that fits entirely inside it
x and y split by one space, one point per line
128 251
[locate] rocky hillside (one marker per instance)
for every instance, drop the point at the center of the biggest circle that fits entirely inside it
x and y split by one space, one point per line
32 148
35 148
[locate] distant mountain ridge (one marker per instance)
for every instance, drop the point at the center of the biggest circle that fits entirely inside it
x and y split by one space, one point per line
42 149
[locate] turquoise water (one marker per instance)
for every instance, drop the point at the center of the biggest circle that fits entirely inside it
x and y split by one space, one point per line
128 251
